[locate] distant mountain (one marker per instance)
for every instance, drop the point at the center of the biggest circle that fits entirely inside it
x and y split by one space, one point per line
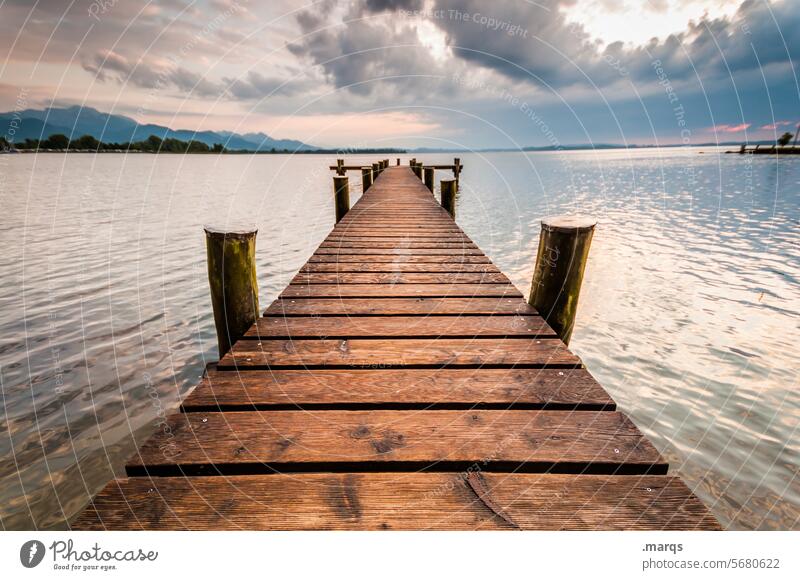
76 121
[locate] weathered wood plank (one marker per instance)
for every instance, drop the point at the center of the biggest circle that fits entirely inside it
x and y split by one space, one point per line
566 388
401 251
575 438
400 306
399 278
383 233
402 244
396 267
398 290
399 326
366 352
412 501
381 258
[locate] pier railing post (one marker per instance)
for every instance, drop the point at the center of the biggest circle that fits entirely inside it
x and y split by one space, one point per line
398 161
560 262
448 189
366 178
457 170
340 167
341 190
429 178
376 171
231 257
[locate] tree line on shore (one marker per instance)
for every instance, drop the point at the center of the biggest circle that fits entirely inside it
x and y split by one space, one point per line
153 144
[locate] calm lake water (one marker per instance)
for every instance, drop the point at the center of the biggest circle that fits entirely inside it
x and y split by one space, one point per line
690 313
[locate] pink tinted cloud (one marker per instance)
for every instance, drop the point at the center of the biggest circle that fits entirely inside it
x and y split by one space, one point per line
730 128
774 126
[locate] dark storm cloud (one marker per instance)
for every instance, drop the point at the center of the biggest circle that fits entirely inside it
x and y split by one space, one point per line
561 54
392 5
365 54
518 39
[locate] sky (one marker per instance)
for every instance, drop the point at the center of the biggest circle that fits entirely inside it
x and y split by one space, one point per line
408 73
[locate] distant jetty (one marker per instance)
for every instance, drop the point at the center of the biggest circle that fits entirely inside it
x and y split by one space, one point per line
780 147
767 150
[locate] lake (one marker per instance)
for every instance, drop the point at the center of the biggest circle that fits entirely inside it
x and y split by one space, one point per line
689 316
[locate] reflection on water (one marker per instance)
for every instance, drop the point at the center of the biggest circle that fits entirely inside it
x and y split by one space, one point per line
689 314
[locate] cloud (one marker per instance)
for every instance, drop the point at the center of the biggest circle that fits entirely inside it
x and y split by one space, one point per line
376 6
366 55
776 125
257 86
149 73
354 57
730 128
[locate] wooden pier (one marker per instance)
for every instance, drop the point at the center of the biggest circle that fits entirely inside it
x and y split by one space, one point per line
400 381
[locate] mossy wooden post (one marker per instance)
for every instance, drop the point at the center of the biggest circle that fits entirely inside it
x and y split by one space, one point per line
429 178
448 188
341 190
366 178
231 256
376 171
340 167
560 261
417 169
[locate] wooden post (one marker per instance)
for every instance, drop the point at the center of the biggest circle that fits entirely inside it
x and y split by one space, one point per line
366 178
398 161
340 167
560 261
448 189
429 178
457 170
231 257
417 169
376 171
341 189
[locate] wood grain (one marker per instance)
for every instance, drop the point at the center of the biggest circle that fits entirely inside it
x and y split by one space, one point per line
397 290
399 306
399 278
324 437
400 327
566 388
408 501
365 352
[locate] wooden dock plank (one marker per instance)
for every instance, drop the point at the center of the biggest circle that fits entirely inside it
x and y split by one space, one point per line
392 501
467 388
400 306
400 251
396 267
400 327
541 439
399 278
400 352
398 290
381 258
